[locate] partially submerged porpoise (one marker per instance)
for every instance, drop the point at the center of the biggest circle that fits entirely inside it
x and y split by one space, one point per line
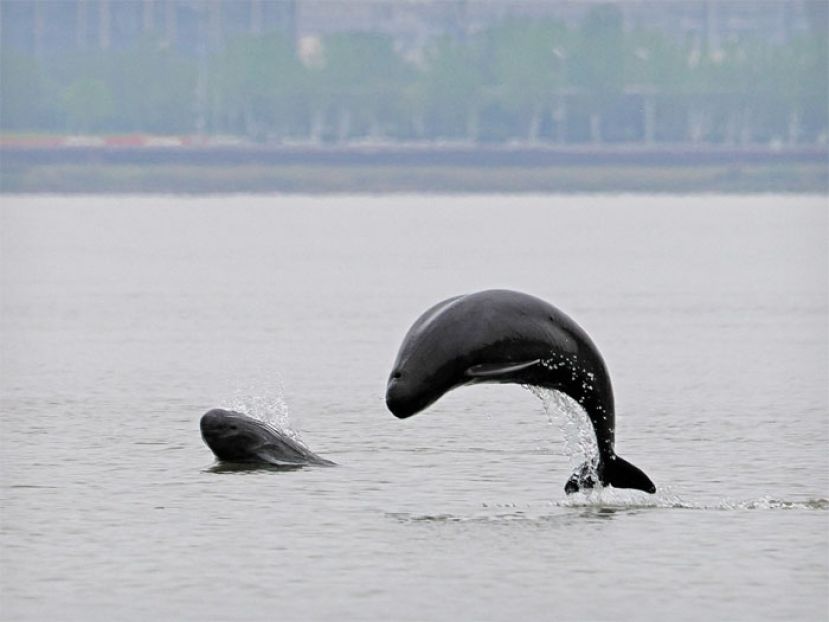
235 437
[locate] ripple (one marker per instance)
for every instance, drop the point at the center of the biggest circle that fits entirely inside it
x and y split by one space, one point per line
614 499
602 506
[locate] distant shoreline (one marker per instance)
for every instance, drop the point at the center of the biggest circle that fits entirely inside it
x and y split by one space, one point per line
406 169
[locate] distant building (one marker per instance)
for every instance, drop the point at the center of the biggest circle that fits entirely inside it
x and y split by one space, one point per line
54 26
50 26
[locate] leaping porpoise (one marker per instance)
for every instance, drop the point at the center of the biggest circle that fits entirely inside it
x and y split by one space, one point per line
509 337
234 437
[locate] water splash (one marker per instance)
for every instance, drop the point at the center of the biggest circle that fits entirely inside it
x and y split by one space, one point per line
579 438
623 499
266 404
767 503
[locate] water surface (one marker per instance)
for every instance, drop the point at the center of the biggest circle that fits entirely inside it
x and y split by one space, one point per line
125 318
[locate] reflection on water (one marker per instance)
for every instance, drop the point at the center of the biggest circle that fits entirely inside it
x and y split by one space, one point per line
241 467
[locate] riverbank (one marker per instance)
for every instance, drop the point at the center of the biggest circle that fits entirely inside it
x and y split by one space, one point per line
406 169
67 178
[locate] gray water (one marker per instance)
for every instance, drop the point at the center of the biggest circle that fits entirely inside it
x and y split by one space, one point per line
125 318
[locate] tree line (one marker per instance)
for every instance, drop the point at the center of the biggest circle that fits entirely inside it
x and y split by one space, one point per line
520 81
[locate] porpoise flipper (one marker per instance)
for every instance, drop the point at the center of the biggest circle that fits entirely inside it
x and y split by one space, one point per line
494 370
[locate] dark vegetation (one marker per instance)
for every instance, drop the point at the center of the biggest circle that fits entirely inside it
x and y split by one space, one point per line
520 81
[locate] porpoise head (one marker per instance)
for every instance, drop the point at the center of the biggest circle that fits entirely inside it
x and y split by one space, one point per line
410 390
488 336
431 361
231 435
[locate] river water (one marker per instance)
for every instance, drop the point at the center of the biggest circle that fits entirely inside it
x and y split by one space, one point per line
124 318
